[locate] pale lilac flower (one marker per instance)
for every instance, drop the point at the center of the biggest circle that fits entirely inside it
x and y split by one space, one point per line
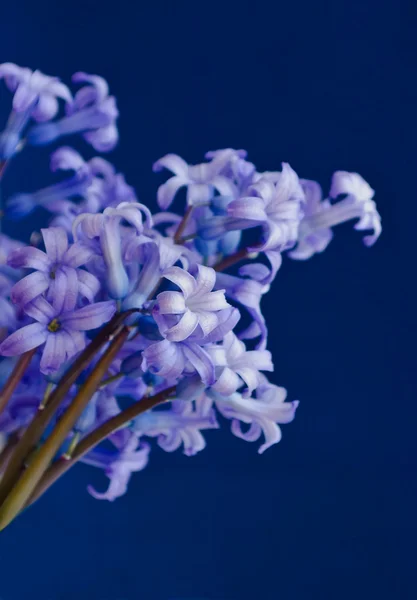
92 112
241 366
182 425
56 271
275 206
153 255
196 305
236 168
201 180
248 292
118 466
263 413
360 193
173 359
320 216
312 240
63 333
35 97
107 227
55 197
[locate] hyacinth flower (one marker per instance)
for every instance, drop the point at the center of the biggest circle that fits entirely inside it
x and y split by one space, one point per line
106 227
196 305
321 215
56 272
139 330
36 97
95 185
200 180
92 112
61 332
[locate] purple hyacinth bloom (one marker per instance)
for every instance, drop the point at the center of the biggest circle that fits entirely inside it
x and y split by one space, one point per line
196 305
118 466
182 425
275 206
173 359
200 180
248 292
262 413
320 215
241 366
107 227
236 168
56 271
92 112
154 257
55 197
62 333
35 97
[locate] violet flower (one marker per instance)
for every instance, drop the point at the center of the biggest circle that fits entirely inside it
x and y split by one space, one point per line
118 467
263 413
196 304
35 97
61 333
56 271
92 112
182 425
106 226
320 215
277 207
201 180
241 366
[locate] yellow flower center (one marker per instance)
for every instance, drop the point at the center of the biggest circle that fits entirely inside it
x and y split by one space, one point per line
54 325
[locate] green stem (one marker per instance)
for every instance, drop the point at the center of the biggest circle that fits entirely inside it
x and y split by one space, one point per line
61 466
40 422
26 484
15 377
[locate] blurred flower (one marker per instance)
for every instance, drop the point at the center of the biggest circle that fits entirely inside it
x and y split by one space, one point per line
92 113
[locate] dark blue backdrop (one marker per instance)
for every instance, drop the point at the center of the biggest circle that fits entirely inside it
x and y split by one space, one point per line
331 511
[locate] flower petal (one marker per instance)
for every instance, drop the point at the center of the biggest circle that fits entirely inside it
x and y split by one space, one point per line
207 321
24 339
165 359
173 163
41 310
77 255
56 242
182 279
184 328
54 353
89 317
171 303
251 208
206 278
28 288
88 284
201 362
167 191
227 383
29 258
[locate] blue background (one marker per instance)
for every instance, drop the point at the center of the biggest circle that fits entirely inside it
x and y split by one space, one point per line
330 513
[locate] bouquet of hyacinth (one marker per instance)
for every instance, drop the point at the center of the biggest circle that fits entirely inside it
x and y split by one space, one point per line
121 326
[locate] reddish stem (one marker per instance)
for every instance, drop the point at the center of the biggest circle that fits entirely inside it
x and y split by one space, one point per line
15 377
61 466
183 224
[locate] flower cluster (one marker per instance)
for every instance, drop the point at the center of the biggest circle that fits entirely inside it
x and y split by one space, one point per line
188 285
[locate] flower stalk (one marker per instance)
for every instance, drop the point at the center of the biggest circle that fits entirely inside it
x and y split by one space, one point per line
25 485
